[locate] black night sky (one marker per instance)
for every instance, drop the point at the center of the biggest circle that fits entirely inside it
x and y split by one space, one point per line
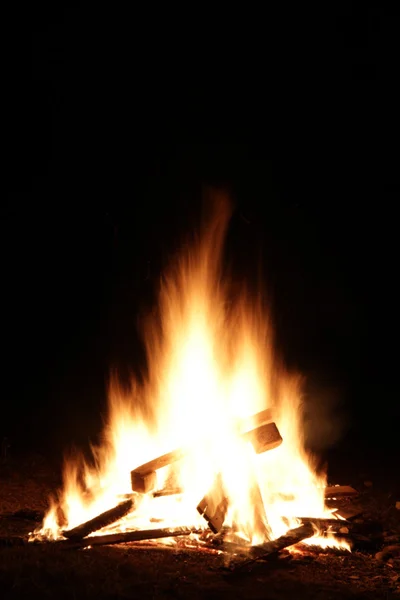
115 125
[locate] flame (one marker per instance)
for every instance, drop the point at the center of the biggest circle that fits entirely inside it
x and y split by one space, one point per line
211 363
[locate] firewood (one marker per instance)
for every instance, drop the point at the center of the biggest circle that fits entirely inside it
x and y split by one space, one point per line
214 505
167 492
293 536
269 549
144 477
323 524
256 420
340 491
264 437
260 520
349 514
122 537
144 482
106 518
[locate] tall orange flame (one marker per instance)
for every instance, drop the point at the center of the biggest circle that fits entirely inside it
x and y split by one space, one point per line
211 362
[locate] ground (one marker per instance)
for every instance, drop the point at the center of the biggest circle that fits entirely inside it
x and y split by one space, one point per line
129 571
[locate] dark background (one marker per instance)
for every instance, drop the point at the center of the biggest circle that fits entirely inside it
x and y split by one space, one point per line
116 122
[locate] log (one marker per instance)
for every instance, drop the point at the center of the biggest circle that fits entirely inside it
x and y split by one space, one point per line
213 507
122 537
167 492
260 520
269 549
256 420
264 437
144 477
293 536
106 518
340 491
349 514
323 524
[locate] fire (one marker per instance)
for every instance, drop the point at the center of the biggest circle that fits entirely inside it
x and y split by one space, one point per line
211 364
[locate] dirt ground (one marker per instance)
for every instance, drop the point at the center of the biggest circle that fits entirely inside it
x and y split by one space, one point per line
132 571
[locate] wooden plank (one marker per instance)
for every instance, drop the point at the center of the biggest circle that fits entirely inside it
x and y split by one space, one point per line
270 549
264 437
340 491
349 513
105 518
143 483
322 524
161 461
293 536
144 477
256 420
213 507
167 492
122 537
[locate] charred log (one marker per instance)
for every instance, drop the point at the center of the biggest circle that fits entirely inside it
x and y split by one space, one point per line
324 524
264 437
144 478
256 420
167 492
122 537
214 505
102 520
340 491
270 549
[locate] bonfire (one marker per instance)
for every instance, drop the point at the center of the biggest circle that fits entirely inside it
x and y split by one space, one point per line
213 438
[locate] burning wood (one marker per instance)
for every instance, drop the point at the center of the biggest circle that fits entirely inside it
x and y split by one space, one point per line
261 526
214 505
340 491
261 418
123 537
144 478
264 437
106 518
322 524
210 358
167 492
293 536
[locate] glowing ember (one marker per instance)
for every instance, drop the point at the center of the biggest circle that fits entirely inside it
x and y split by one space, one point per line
211 365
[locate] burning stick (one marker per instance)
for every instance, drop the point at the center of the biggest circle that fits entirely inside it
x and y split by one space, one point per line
167 492
261 525
293 536
105 518
144 478
324 524
261 418
264 437
214 505
123 537
340 491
